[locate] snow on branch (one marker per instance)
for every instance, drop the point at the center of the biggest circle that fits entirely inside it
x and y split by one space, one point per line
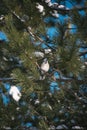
62 8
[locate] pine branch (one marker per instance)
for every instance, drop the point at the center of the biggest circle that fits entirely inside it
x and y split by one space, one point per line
72 92
17 16
71 80
29 30
70 10
63 10
6 79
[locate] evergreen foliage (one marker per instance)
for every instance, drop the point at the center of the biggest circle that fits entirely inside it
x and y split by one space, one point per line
61 97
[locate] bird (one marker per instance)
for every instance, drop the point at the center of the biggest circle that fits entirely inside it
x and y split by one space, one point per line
44 68
15 93
45 65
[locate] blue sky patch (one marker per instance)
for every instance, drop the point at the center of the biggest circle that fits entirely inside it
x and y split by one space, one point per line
3 37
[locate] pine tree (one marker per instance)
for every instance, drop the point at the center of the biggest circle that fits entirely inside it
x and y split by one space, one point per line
45 57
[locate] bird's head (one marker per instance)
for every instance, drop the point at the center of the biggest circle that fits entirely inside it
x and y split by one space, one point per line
45 60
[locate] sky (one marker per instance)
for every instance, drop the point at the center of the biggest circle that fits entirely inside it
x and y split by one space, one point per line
51 31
